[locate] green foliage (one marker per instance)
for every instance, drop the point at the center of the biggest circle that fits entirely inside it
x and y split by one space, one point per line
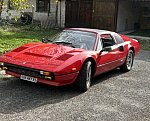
1 5
144 42
144 33
17 5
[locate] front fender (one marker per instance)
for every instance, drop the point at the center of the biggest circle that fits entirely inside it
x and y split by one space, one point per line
74 64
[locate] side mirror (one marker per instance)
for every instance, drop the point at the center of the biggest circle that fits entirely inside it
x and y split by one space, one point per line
121 48
107 49
44 40
49 40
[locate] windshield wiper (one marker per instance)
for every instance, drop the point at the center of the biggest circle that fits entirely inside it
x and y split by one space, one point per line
61 42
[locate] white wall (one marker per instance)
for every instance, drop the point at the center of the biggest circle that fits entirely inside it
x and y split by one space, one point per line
51 18
128 14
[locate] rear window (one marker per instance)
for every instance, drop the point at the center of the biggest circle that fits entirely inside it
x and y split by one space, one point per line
118 38
107 40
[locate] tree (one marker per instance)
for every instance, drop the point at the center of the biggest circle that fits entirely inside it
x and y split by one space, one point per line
1 7
17 5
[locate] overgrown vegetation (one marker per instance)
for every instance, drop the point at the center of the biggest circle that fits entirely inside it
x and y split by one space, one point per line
16 5
145 42
14 36
144 33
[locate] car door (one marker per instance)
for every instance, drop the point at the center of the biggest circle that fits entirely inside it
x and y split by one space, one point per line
123 47
107 60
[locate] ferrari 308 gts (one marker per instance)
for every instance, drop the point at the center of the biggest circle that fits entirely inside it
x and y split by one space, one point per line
74 56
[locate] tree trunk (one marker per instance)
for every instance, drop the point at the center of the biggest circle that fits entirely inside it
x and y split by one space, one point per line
0 15
1 4
56 15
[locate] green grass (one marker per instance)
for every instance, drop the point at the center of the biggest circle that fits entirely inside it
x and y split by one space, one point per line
14 36
145 33
144 44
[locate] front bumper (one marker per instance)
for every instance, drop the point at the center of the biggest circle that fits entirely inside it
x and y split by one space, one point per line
60 80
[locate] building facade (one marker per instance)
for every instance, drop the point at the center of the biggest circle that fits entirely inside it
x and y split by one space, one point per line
133 14
115 15
49 12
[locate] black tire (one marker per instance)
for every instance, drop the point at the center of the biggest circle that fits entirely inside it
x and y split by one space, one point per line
83 81
127 66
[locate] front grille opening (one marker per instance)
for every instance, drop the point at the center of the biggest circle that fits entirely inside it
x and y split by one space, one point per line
23 70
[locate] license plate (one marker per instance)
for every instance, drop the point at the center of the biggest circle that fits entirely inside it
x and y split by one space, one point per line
28 78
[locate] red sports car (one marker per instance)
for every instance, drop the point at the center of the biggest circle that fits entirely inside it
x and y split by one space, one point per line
75 55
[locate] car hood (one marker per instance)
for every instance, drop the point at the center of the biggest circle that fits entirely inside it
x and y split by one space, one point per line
40 53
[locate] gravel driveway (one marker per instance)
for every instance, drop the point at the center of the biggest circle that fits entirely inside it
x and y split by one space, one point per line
113 96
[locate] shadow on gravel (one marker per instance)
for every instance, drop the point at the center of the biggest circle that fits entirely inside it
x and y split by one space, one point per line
106 76
18 95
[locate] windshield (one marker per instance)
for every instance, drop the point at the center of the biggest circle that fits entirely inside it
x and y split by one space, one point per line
76 39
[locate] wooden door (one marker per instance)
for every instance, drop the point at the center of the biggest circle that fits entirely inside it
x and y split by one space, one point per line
78 13
85 13
105 14
71 16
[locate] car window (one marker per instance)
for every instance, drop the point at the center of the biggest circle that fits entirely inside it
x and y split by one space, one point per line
107 40
118 38
99 45
79 39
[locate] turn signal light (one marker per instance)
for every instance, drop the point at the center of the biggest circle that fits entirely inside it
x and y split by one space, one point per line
45 73
4 68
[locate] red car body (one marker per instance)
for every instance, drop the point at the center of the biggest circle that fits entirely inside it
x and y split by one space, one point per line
65 62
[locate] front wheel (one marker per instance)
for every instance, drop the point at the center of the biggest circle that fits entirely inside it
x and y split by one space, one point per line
127 66
83 81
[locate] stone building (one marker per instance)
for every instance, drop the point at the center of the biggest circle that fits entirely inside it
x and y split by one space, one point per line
115 15
42 10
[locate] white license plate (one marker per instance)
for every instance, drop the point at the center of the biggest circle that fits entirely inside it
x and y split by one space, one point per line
28 78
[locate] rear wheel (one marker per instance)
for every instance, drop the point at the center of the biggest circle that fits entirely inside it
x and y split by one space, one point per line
83 81
127 66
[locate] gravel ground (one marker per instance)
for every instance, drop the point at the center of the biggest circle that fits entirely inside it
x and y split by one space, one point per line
114 96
